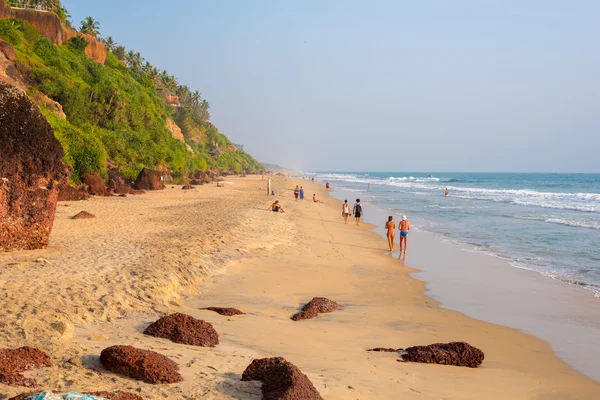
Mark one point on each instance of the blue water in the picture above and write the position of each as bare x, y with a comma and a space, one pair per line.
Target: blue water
549, 223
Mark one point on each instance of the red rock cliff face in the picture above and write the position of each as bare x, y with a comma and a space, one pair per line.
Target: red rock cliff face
49, 25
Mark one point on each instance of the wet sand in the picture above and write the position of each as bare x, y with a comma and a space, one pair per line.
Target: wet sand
113, 275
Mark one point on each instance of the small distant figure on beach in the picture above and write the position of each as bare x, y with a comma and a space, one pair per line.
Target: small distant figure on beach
296, 192
345, 211
301, 193
357, 210
276, 207
368, 187
447, 192
390, 225
315, 199
404, 228
313, 178
327, 186
272, 193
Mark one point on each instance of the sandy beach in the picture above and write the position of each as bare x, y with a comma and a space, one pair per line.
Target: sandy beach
142, 257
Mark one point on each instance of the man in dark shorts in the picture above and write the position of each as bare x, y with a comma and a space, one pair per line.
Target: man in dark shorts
276, 207
358, 211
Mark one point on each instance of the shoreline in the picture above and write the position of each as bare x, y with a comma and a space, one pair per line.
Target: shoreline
232, 252
491, 289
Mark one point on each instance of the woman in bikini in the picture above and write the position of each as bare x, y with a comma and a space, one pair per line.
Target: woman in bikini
391, 227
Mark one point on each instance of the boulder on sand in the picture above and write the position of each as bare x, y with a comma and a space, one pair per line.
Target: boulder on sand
95, 184
316, 306
117, 183
15, 361
143, 365
83, 215
149, 180
187, 186
184, 329
227, 311
455, 353
31, 171
281, 380
69, 193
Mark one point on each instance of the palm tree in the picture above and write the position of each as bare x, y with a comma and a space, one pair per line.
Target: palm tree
110, 44
90, 26
119, 52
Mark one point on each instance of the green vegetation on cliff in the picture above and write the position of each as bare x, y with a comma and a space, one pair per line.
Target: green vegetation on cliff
114, 111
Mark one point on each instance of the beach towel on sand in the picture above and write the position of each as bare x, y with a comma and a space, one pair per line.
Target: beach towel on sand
63, 396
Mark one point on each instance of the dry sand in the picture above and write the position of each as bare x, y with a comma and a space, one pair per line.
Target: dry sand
179, 251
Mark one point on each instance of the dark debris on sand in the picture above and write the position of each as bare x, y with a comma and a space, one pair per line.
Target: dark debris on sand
184, 329
316, 306
15, 361
83, 215
143, 365
455, 353
227, 311
281, 380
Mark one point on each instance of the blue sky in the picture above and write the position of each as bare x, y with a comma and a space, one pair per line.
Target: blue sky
429, 85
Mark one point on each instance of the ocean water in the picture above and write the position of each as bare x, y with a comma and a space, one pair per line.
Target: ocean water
549, 223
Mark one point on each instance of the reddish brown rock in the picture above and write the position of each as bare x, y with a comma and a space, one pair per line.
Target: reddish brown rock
455, 353
316, 306
31, 171
385, 349
227, 311
143, 365
117, 183
184, 329
281, 380
95, 184
137, 192
15, 361
69, 193
187, 186
8, 51
149, 180
83, 215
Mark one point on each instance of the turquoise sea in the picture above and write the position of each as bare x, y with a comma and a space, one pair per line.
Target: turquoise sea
549, 223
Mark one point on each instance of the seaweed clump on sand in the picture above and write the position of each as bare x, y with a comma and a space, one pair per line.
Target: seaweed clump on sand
315, 307
184, 329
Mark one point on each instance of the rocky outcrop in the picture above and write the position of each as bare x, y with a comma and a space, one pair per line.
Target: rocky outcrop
15, 361
143, 365
8, 51
95, 184
316, 306
187, 186
31, 171
117, 183
224, 311
184, 329
69, 193
149, 180
281, 380
50, 26
455, 353
175, 130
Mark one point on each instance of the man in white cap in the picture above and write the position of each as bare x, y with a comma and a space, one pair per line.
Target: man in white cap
404, 227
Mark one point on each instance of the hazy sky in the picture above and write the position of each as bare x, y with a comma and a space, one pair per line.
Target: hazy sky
427, 85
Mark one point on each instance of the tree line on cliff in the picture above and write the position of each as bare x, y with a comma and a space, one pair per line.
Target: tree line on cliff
117, 112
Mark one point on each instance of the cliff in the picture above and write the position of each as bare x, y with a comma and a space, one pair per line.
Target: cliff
50, 26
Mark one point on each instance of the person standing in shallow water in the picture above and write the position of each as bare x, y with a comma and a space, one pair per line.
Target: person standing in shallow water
390, 225
404, 228
345, 211
357, 210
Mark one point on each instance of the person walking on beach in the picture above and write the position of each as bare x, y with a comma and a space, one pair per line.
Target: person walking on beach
301, 193
404, 228
390, 225
296, 192
345, 211
357, 210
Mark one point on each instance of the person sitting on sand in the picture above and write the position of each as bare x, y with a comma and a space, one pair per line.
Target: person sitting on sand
315, 199
345, 211
391, 228
276, 207
404, 228
357, 210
